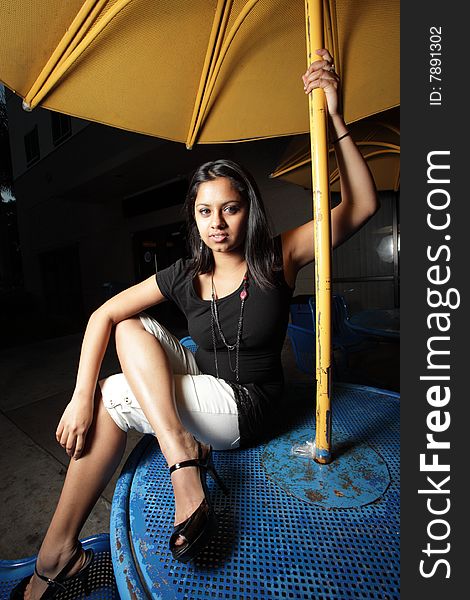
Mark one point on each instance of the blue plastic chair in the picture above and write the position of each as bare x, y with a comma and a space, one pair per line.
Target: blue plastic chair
301, 315
188, 342
101, 581
303, 345
343, 339
342, 336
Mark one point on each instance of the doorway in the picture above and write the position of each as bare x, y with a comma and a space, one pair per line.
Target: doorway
155, 249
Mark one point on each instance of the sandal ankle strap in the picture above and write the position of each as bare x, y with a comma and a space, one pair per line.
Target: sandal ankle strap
194, 462
49, 581
56, 582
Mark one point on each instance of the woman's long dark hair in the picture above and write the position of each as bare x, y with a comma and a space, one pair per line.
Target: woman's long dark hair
259, 250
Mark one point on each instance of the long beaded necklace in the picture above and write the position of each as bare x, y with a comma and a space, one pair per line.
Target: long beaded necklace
215, 324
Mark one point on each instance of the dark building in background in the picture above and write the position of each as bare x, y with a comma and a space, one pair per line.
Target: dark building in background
99, 209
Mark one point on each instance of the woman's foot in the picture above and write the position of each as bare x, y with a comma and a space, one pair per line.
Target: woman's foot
50, 564
186, 482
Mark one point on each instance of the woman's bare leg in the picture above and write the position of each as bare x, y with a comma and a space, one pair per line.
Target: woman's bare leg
85, 480
145, 364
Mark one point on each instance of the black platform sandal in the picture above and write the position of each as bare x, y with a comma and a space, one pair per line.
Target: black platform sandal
198, 528
61, 581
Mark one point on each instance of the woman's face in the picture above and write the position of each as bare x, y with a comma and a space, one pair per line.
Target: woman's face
221, 215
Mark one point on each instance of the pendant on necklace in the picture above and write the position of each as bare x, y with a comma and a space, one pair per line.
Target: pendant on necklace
244, 292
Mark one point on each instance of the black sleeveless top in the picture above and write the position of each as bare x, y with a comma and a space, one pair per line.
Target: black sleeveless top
265, 318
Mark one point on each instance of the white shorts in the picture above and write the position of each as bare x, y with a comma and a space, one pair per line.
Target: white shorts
205, 404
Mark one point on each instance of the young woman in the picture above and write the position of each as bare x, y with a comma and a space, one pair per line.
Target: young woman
235, 292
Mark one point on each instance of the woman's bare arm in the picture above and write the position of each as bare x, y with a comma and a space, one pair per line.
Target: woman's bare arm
122, 306
359, 199
78, 415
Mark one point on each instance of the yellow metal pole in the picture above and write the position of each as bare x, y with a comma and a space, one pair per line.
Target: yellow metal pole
321, 214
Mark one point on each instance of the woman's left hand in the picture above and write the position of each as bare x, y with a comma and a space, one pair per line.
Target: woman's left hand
321, 74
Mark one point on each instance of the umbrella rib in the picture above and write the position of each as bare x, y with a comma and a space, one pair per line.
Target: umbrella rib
389, 145
61, 69
91, 19
219, 25
61, 48
288, 168
397, 181
390, 127
385, 148
375, 154
215, 71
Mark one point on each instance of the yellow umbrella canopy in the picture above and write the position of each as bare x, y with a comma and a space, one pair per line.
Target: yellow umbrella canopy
377, 137
194, 70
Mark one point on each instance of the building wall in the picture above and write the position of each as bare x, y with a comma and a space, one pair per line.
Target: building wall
22, 122
70, 203
58, 207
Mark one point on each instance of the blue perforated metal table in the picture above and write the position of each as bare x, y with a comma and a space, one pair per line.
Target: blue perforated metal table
271, 543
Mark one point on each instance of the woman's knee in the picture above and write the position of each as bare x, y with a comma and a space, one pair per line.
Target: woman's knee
126, 328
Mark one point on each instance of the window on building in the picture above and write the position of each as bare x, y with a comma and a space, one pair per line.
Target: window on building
31, 146
61, 127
